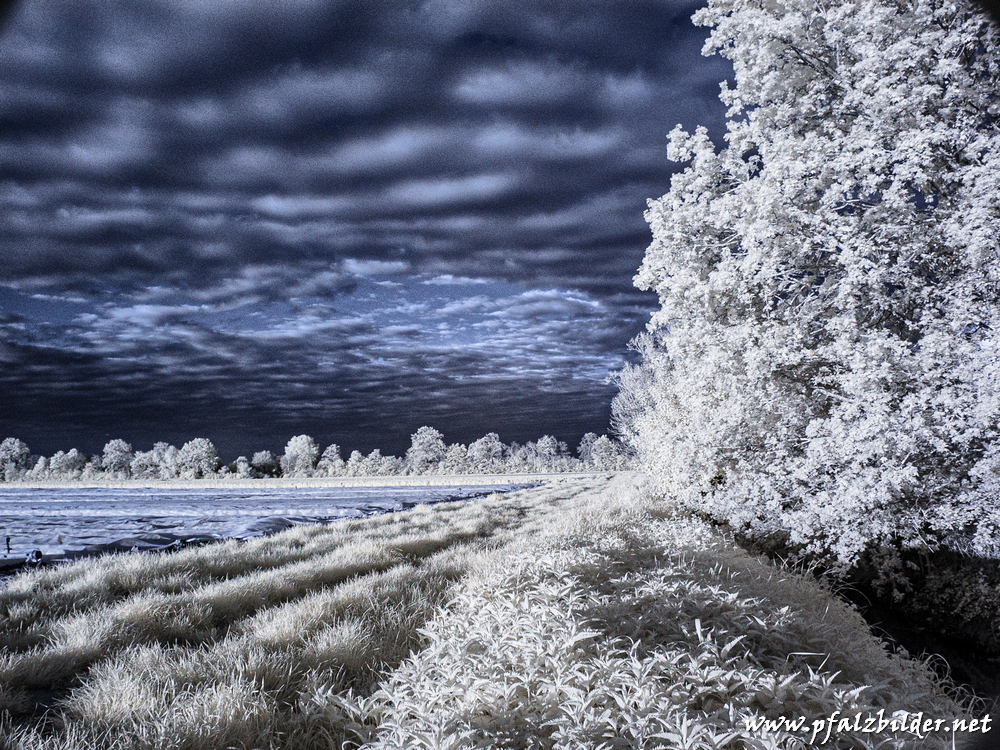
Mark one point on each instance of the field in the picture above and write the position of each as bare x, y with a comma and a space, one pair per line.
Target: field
584, 613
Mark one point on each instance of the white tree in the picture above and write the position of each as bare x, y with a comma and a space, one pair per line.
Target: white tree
485, 455
550, 454
355, 464
40, 470
265, 464
427, 450
67, 465
516, 458
301, 455
377, 465
330, 463
822, 365
168, 457
390, 466
116, 459
369, 465
455, 460
586, 448
144, 465
197, 458
159, 463
92, 469
605, 455
14, 459
241, 468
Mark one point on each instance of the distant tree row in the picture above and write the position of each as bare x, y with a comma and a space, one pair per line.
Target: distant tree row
428, 454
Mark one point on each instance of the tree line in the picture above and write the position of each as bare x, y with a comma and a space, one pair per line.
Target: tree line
428, 454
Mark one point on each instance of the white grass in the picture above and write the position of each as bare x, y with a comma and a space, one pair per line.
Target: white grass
581, 614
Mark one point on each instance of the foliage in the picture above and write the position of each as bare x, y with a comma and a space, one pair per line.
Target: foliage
372, 465
427, 455
485, 456
116, 459
377, 465
330, 463
542, 456
265, 464
14, 458
197, 458
586, 448
241, 468
301, 455
605, 455
354, 462
427, 450
456, 460
822, 368
67, 465
159, 463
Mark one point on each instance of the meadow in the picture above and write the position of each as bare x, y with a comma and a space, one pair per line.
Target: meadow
587, 612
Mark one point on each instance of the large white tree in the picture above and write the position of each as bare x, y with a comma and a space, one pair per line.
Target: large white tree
823, 368
15, 457
330, 463
116, 459
67, 465
301, 455
485, 456
197, 458
427, 450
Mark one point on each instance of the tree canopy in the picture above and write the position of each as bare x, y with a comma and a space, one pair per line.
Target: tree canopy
822, 366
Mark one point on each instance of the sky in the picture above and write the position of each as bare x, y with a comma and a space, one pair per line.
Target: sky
250, 220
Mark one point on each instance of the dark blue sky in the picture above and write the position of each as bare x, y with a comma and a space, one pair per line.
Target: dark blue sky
247, 220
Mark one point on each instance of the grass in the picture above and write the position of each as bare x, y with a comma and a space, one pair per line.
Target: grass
581, 614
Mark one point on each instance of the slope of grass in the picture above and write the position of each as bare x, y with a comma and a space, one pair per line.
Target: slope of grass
580, 614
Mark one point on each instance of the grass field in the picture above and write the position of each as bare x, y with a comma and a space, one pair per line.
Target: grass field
584, 613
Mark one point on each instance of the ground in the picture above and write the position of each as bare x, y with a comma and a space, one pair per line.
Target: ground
584, 613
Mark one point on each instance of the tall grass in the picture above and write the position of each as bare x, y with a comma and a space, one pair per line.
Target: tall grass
581, 614
131, 650
632, 631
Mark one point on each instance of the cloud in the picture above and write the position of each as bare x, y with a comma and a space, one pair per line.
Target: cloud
298, 206
398, 148
296, 93
522, 83
374, 267
449, 280
450, 190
